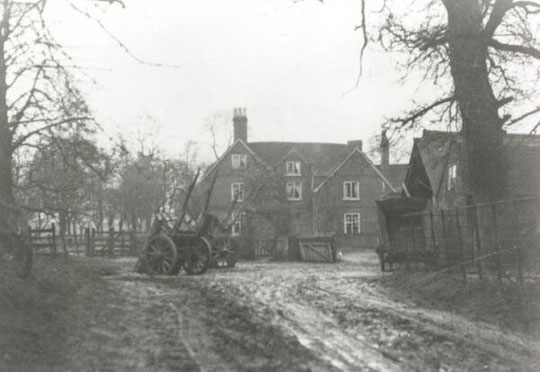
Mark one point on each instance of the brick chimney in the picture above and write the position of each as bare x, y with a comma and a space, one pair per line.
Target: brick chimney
385, 154
240, 124
356, 144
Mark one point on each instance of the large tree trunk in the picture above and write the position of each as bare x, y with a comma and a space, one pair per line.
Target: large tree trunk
482, 125
7, 200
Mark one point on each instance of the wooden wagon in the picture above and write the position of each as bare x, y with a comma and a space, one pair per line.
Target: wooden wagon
175, 246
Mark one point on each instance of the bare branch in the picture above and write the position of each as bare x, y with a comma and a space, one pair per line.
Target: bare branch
520, 49
414, 115
25, 137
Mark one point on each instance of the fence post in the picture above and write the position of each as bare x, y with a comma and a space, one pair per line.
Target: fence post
517, 241
478, 240
497, 241
76, 241
433, 241
132, 242
461, 250
87, 241
446, 251
411, 226
53, 239
92, 242
110, 242
122, 236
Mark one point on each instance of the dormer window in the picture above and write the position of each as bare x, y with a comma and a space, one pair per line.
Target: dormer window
293, 168
351, 190
452, 177
239, 161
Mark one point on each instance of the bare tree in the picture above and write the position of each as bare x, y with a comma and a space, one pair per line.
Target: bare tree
38, 98
482, 47
220, 136
475, 52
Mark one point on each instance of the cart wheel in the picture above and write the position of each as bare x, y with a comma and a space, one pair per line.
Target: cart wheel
224, 253
197, 257
160, 255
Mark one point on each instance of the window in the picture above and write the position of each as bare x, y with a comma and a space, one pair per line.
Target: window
452, 177
351, 190
239, 161
294, 190
293, 168
237, 192
352, 223
238, 223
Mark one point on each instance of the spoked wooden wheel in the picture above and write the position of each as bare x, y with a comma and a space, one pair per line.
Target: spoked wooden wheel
224, 253
160, 255
197, 258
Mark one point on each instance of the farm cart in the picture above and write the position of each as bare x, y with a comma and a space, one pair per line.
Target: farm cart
193, 248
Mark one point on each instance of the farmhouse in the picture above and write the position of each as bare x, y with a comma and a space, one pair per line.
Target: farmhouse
324, 188
436, 169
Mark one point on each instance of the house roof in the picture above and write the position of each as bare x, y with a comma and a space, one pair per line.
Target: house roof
396, 174
338, 167
322, 157
433, 148
523, 159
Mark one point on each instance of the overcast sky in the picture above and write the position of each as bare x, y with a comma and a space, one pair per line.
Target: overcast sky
293, 66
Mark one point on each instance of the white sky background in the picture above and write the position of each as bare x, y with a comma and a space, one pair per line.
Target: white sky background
289, 64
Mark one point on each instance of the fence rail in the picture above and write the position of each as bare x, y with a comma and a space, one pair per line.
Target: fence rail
500, 239
90, 243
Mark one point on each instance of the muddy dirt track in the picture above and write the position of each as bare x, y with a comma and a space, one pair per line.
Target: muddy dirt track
257, 316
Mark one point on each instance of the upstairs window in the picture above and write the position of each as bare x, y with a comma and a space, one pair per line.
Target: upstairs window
237, 192
239, 161
352, 223
351, 190
294, 190
452, 177
293, 168
239, 221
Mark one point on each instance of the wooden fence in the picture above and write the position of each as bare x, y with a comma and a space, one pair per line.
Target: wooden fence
499, 240
264, 248
90, 243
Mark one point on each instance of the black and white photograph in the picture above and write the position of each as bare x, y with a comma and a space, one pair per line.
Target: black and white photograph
269, 185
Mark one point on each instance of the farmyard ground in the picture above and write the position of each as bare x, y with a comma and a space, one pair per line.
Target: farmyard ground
97, 315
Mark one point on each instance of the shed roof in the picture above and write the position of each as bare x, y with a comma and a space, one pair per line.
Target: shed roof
523, 159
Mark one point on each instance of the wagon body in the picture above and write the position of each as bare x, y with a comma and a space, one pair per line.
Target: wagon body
182, 245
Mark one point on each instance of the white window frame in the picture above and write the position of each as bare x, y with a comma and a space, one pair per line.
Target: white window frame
351, 197
351, 222
295, 168
290, 186
241, 190
451, 177
239, 161
239, 220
